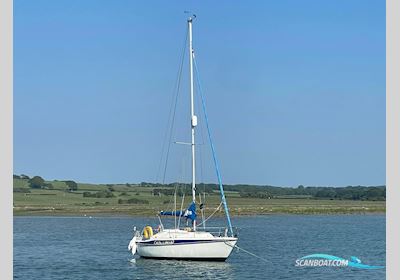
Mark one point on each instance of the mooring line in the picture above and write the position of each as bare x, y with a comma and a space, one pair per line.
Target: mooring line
248, 252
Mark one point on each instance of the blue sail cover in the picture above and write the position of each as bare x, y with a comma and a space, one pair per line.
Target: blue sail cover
189, 213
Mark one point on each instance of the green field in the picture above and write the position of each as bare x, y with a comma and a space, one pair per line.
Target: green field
58, 201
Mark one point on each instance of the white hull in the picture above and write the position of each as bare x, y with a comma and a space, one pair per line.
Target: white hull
216, 250
177, 244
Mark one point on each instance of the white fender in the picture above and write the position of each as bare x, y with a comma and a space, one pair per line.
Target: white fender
132, 245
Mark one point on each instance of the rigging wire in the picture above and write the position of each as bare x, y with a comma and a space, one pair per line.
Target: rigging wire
216, 210
213, 151
177, 185
170, 125
172, 113
183, 200
200, 158
202, 212
248, 252
201, 154
201, 149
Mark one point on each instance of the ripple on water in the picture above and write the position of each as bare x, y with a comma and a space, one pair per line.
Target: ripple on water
82, 248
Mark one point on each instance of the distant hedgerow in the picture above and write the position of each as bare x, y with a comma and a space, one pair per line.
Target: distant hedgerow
99, 194
133, 201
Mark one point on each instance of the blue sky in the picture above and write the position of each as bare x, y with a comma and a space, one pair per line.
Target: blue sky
295, 90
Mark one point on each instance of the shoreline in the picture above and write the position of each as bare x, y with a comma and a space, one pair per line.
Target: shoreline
327, 212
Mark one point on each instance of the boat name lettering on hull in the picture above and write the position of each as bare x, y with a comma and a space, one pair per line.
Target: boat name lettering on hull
167, 242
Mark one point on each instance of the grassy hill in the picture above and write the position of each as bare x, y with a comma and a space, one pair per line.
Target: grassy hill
144, 199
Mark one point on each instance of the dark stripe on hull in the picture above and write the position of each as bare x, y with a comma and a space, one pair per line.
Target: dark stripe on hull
188, 259
177, 242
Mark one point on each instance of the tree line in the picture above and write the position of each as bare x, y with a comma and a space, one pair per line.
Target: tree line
37, 182
244, 190
269, 192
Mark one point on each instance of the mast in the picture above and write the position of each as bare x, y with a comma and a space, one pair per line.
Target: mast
193, 116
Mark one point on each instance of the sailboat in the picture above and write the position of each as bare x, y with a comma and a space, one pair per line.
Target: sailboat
191, 242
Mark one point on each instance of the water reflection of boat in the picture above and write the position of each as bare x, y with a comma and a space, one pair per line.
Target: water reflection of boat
204, 269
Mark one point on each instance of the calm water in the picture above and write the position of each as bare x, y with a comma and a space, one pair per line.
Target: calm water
84, 248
